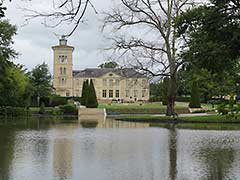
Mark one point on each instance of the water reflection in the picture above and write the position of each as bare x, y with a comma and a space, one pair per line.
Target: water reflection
63, 149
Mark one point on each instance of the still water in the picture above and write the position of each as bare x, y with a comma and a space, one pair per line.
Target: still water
43, 149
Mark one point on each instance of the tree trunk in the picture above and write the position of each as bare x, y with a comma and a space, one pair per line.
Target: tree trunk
172, 91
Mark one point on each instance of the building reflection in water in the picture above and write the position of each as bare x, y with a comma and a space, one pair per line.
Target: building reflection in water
63, 152
102, 122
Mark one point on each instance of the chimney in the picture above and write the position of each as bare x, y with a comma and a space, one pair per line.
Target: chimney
63, 41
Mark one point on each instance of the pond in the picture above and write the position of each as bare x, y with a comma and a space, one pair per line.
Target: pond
52, 149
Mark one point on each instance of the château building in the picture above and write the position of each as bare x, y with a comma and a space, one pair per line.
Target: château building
122, 85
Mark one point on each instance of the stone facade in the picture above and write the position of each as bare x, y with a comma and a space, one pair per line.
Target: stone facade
120, 85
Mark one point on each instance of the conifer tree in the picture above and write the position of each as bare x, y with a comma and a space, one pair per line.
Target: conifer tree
195, 96
84, 92
91, 100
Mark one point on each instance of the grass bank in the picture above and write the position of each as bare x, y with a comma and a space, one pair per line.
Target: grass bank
149, 108
193, 119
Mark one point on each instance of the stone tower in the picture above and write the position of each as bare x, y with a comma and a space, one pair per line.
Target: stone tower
62, 68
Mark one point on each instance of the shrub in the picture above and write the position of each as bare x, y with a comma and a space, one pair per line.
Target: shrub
42, 108
45, 100
57, 101
91, 100
155, 98
195, 96
85, 92
222, 109
183, 98
13, 111
69, 109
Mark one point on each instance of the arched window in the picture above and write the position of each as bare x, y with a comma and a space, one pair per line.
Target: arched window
64, 71
61, 71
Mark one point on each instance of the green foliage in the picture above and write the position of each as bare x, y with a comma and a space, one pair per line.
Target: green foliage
155, 92
222, 109
183, 98
231, 104
42, 108
57, 101
195, 96
213, 35
109, 64
69, 109
40, 79
165, 90
84, 92
13, 87
13, 111
91, 100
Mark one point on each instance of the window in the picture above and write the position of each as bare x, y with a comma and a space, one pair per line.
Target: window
67, 93
63, 59
127, 93
64, 71
111, 82
111, 93
143, 93
117, 94
128, 82
135, 93
104, 82
104, 93
77, 82
63, 81
110, 74
144, 82
117, 82
61, 71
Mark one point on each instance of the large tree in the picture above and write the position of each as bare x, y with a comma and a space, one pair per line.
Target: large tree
212, 36
41, 81
152, 45
211, 49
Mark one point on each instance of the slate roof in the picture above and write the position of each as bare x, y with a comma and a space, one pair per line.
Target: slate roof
97, 72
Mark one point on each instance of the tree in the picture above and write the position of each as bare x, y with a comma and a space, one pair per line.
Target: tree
212, 36
13, 87
165, 90
7, 31
195, 96
109, 64
85, 91
91, 101
154, 53
41, 81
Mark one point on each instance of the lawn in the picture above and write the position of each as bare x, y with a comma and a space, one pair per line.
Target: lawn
179, 105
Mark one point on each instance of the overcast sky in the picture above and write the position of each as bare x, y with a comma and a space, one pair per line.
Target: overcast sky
34, 41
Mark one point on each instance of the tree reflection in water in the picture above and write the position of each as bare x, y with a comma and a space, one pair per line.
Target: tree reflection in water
218, 162
172, 153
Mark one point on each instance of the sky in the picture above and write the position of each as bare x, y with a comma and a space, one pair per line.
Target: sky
34, 41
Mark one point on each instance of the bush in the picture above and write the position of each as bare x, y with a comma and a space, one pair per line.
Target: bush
42, 108
195, 96
45, 100
91, 100
222, 109
85, 91
183, 98
69, 109
13, 111
57, 101
155, 98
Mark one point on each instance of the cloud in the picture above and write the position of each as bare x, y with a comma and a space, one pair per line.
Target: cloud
34, 41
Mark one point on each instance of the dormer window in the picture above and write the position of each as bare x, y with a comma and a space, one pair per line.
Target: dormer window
63, 59
110, 74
